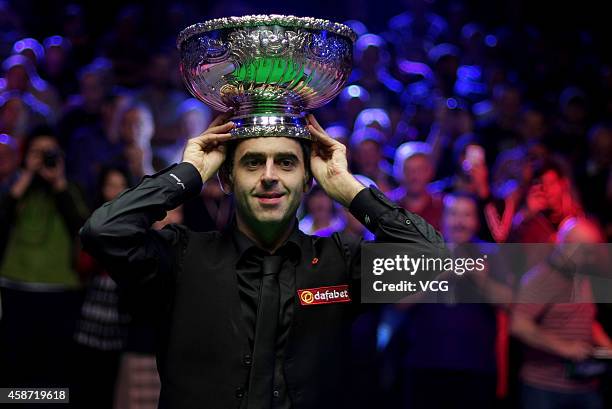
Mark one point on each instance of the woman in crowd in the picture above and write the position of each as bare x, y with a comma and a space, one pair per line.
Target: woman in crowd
102, 328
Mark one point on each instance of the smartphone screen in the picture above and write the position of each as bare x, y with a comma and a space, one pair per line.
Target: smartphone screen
475, 155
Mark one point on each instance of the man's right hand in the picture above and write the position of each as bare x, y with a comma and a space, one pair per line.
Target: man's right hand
576, 350
207, 151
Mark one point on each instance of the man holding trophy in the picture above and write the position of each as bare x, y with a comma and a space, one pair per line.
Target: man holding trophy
255, 316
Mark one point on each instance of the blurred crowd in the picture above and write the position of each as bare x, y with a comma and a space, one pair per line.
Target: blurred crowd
492, 134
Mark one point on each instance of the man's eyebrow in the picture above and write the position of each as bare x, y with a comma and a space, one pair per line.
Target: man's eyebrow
277, 155
286, 155
252, 156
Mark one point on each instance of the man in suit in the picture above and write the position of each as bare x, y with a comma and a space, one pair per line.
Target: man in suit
258, 315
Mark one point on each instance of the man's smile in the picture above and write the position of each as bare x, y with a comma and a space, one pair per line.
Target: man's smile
269, 198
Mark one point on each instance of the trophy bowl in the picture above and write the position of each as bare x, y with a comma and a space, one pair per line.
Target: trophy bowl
269, 70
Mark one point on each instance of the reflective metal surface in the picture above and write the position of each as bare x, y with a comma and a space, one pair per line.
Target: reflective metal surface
268, 70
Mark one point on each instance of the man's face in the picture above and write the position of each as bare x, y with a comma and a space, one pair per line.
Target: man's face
41, 145
268, 179
532, 125
137, 127
92, 89
160, 70
370, 58
553, 187
17, 78
368, 157
320, 206
36, 152
460, 219
601, 147
11, 114
418, 172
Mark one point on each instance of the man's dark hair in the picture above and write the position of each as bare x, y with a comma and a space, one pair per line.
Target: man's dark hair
547, 166
42, 131
460, 194
226, 168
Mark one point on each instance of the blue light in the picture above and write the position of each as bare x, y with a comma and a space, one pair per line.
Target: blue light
482, 108
491, 40
19, 46
383, 336
469, 72
451, 103
354, 91
8, 141
54, 41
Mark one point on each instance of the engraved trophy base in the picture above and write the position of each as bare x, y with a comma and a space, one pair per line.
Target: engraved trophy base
253, 126
269, 119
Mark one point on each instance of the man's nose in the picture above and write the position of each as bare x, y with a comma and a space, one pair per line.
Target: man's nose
270, 176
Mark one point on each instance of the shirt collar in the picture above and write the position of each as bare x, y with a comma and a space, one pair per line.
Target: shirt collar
244, 244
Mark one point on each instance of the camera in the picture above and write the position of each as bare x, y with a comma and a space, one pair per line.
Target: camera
51, 157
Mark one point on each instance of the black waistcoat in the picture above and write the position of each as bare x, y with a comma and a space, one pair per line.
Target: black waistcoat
201, 354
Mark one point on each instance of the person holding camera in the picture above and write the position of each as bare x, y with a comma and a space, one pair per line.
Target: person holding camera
40, 215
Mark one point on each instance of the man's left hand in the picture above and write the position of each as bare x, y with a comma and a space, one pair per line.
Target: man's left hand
329, 165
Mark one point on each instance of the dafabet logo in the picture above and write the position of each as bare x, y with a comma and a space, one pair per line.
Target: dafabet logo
324, 295
307, 297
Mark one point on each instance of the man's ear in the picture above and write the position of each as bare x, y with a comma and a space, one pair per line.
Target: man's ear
308, 183
226, 180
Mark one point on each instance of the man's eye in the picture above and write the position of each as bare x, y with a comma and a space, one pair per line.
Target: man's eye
252, 163
287, 163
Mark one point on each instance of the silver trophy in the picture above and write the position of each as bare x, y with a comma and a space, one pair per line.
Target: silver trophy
269, 70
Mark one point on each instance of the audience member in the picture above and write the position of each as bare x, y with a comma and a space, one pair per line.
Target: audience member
41, 214
458, 355
101, 330
549, 201
555, 318
414, 170
321, 213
